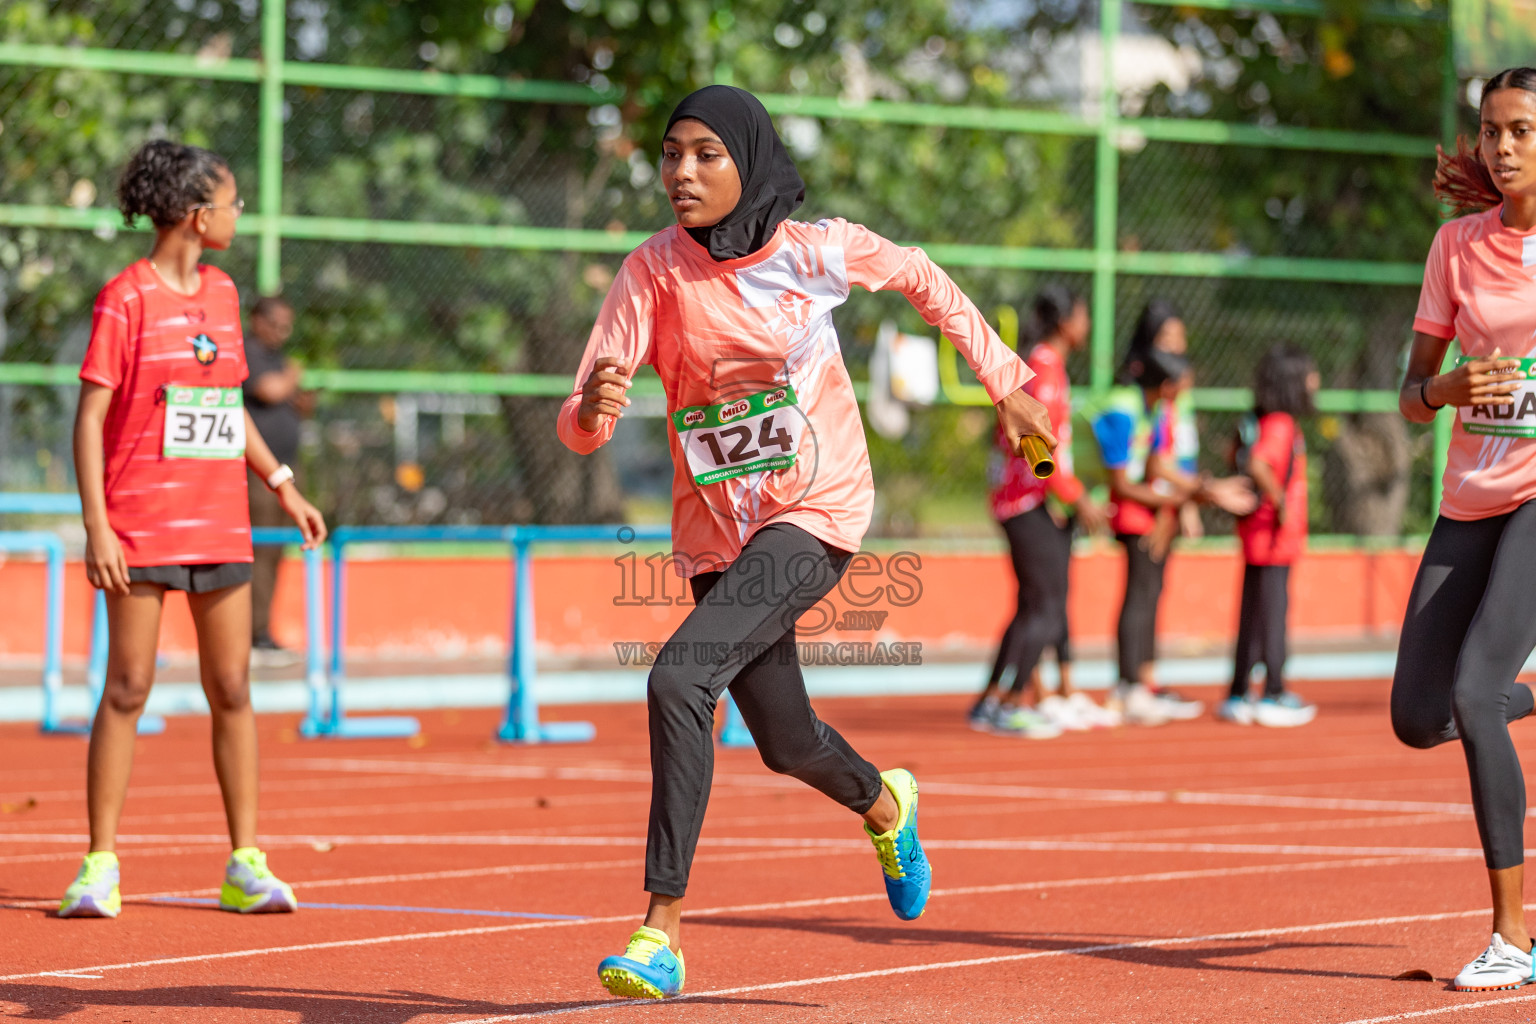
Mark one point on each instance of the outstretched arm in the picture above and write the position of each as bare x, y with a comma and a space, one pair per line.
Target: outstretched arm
942, 304
620, 341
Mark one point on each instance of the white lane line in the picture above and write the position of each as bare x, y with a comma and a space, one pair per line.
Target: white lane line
32, 858
782, 843
983, 961
1259, 827
826, 901
433, 876
1457, 1008
1133, 796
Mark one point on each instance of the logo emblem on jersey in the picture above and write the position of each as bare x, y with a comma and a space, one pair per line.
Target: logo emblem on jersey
795, 307
204, 349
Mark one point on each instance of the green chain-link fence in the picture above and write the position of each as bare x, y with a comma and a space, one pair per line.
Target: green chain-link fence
445, 221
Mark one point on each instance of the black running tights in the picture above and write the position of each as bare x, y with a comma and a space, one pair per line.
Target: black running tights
1136, 635
1469, 628
741, 635
1261, 628
1041, 553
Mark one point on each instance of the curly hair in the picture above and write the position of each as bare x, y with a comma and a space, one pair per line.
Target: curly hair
1462, 182
165, 179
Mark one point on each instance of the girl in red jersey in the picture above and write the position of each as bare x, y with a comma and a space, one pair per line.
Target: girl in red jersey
1272, 453
162, 443
1469, 626
1038, 517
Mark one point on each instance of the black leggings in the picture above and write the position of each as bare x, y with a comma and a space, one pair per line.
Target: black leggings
1136, 636
741, 635
1042, 559
1468, 631
1261, 628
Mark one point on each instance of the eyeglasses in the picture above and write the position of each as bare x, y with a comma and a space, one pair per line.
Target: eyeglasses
238, 206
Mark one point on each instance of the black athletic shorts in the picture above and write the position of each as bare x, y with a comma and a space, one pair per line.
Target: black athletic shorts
194, 579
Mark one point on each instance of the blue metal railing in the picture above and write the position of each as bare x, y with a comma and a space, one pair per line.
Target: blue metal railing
326, 715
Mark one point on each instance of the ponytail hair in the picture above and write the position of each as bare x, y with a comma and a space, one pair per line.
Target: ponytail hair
165, 179
1462, 182
1053, 307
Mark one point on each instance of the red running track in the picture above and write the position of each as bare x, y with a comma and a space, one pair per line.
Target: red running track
1195, 872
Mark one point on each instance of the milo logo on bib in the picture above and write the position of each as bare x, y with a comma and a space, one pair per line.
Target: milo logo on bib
1517, 420
747, 435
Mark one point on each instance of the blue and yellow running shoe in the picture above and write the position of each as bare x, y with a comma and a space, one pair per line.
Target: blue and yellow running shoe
250, 887
907, 876
647, 970
94, 892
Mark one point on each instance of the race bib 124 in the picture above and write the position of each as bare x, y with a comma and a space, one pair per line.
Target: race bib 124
204, 423
1517, 420
746, 435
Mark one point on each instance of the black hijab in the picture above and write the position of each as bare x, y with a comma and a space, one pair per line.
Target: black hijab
771, 188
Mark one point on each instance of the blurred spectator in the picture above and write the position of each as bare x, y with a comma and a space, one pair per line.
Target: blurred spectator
276, 405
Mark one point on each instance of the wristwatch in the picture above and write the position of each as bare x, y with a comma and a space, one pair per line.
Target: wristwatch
281, 475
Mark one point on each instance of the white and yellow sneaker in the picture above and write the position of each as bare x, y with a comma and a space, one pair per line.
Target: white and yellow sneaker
250, 887
94, 892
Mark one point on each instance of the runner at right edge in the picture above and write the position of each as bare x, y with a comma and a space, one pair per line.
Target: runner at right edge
1470, 623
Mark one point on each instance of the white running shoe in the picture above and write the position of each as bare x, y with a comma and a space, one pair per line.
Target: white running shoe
1016, 721
1179, 709
1141, 706
1061, 711
1499, 966
1237, 710
1284, 712
1095, 715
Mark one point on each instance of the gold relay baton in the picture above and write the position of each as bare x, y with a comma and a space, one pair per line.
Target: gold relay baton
1032, 450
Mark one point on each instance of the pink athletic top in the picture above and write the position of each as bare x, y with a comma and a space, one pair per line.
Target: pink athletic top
1480, 288
763, 424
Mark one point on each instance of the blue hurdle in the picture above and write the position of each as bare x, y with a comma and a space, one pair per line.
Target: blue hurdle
521, 723
15, 503
53, 603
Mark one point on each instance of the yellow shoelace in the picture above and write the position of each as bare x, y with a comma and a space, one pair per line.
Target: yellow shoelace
890, 856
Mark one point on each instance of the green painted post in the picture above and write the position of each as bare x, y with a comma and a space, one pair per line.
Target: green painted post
1106, 201
274, 32
1449, 87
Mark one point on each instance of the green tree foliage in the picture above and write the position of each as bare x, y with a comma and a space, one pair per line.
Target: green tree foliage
64, 134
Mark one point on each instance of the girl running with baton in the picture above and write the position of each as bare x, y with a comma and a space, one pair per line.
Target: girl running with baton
772, 489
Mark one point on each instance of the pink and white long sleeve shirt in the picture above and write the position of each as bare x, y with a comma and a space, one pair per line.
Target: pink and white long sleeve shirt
763, 425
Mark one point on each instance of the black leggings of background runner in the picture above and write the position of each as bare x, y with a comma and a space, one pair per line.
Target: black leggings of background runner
741, 635
1469, 628
1041, 553
1261, 628
1136, 636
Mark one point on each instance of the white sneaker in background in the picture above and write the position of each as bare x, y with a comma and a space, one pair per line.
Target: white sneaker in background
1058, 709
1283, 712
1179, 709
1095, 715
1141, 706
1237, 710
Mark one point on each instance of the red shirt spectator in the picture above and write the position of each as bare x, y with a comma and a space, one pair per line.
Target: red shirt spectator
1266, 539
1016, 489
